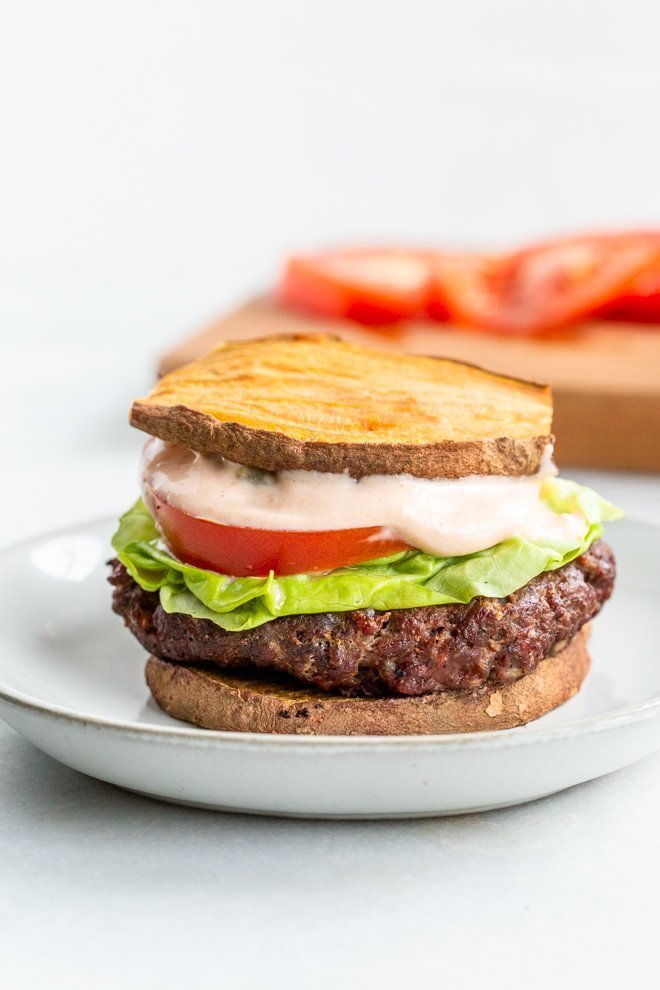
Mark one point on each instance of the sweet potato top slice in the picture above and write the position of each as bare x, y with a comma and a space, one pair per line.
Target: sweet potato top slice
321, 404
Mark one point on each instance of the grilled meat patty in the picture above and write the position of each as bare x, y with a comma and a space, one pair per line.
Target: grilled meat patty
402, 652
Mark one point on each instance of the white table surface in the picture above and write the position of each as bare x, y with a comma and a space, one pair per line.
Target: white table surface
99, 888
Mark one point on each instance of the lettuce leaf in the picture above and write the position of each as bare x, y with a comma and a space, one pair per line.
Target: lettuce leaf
404, 580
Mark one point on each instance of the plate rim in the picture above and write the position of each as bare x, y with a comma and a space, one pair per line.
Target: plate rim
197, 736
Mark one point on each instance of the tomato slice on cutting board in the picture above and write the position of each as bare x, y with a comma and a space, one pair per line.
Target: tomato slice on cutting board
637, 306
243, 552
640, 301
582, 275
468, 288
545, 286
371, 286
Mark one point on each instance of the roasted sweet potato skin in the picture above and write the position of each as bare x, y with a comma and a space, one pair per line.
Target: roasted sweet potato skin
319, 404
277, 452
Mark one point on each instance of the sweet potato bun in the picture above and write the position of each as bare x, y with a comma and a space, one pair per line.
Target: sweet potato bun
320, 404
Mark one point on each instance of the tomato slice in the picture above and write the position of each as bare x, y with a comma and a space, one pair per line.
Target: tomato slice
243, 552
579, 276
540, 288
469, 288
546, 286
377, 286
640, 303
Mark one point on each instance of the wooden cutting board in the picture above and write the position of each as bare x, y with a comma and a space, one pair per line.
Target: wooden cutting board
605, 376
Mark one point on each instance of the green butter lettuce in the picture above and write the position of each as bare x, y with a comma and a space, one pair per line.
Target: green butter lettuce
403, 580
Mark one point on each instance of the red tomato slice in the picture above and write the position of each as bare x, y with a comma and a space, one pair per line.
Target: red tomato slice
469, 288
436, 307
579, 276
378, 286
542, 287
640, 303
243, 552
545, 286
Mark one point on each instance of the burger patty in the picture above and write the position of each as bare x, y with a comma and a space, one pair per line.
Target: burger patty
405, 651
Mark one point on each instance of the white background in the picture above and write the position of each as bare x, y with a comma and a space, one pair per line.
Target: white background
157, 159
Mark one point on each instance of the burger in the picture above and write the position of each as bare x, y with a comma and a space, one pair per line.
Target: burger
334, 539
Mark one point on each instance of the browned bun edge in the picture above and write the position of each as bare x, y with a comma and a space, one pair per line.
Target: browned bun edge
313, 402
272, 451
227, 701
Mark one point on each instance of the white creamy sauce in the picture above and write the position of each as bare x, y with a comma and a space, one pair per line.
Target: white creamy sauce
443, 517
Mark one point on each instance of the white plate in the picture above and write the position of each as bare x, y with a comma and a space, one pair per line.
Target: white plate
71, 681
